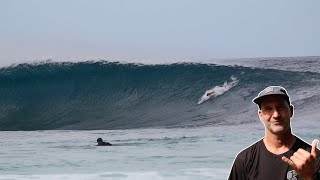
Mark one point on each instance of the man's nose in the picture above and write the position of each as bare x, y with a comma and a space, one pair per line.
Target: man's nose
276, 113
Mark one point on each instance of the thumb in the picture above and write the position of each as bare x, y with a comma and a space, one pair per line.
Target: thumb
314, 148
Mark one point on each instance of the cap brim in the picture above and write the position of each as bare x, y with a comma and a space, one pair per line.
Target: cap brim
257, 100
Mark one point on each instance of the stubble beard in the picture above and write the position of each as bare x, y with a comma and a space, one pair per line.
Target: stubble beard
279, 128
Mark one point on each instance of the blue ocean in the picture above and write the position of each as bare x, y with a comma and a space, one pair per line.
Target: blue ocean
158, 117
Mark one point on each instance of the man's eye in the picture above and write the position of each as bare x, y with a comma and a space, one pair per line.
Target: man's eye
268, 109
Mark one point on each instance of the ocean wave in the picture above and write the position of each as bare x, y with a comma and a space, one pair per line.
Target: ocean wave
113, 95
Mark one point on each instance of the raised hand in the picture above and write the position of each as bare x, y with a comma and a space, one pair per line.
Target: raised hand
304, 162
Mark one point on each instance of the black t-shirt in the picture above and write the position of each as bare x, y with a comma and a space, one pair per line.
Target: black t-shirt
257, 163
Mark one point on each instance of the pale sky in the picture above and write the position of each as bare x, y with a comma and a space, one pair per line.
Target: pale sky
194, 29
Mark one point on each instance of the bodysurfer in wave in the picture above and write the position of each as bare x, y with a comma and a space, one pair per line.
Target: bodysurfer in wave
211, 94
218, 90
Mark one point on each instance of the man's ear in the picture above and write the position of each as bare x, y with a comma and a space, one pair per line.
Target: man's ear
291, 109
260, 115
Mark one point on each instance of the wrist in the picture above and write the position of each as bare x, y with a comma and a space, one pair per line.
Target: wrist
316, 176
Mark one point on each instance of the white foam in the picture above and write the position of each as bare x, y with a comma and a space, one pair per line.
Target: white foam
148, 60
185, 174
218, 90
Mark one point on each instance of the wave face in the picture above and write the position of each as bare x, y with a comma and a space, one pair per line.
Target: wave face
111, 95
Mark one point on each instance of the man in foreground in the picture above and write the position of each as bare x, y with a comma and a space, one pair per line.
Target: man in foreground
280, 155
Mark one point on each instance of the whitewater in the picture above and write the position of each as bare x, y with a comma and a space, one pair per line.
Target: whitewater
52, 113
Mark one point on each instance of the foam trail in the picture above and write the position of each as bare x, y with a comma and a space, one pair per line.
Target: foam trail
218, 90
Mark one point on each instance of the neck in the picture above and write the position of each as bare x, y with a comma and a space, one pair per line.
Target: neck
279, 144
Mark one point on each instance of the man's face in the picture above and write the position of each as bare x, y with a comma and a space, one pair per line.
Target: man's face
275, 113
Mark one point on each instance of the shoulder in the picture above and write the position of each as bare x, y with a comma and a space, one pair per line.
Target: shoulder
306, 146
250, 150
107, 144
244, 161
247, 155
302, 144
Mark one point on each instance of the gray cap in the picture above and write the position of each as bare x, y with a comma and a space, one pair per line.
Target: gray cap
272, 90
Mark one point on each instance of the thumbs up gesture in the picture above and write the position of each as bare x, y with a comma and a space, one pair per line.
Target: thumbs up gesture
304, 162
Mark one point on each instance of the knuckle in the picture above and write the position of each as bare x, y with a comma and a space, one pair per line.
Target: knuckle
291, 158
309, 156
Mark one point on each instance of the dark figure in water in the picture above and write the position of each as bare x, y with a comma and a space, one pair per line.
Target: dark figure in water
211, 93
102, 143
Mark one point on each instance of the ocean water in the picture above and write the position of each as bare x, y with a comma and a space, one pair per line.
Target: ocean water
52, 113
